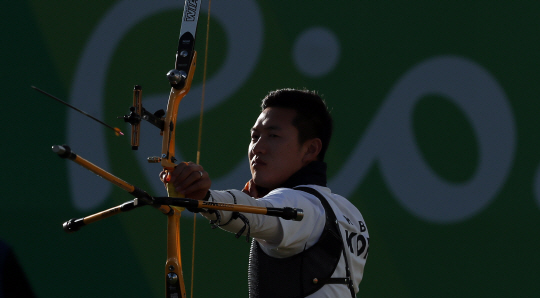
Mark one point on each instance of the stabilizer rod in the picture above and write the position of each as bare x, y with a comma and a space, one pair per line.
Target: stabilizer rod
161, 203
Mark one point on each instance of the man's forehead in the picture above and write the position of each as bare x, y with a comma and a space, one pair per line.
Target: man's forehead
274, 118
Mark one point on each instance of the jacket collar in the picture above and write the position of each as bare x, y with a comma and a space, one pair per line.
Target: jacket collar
313, 173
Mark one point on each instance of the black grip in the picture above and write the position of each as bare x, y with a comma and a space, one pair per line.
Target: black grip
64, 151
287, 213
73, 225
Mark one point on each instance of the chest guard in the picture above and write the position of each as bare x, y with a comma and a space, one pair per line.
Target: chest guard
302, 274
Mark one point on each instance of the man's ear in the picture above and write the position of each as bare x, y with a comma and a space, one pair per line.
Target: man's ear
314, 147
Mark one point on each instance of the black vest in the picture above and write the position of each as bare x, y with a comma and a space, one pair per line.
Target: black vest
302, 274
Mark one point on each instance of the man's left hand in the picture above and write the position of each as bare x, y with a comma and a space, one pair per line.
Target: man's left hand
189, 179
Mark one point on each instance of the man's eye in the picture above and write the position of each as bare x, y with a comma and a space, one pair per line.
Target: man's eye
254, 138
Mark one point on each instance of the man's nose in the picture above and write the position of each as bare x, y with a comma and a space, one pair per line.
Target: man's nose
258, 147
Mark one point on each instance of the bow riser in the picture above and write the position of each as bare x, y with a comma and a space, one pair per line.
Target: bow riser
168, 144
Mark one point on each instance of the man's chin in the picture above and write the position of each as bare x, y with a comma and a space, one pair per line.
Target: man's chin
261, 182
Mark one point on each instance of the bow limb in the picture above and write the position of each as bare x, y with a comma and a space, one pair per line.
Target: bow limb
174, 277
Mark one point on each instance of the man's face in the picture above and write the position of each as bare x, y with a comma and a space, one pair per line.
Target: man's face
274, 152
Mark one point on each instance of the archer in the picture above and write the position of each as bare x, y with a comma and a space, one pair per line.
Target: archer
312, 258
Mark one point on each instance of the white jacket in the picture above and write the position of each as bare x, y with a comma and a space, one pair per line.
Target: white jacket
281, 238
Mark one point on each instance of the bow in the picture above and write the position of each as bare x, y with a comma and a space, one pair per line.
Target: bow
180, 79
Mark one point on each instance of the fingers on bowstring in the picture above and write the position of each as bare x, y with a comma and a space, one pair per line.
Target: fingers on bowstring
179, 173
199, 183
190, 176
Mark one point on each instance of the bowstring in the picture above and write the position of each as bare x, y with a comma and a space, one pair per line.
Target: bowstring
199, 140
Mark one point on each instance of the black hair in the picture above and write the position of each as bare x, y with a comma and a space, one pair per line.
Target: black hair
312, 119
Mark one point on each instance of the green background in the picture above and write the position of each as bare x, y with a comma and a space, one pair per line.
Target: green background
492, 253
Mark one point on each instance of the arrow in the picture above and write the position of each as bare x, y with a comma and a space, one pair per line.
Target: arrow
115, 129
